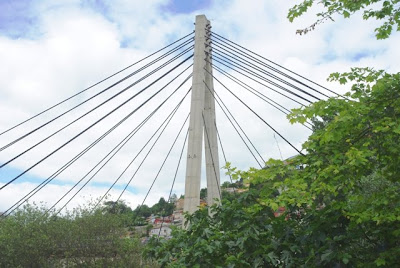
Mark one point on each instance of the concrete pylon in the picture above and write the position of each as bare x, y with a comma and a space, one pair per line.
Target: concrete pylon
202, 111
210, 137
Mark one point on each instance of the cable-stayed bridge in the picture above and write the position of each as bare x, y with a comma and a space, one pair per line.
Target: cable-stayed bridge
168, 99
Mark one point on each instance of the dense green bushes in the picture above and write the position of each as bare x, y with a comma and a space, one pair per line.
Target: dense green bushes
341, 209
81, 238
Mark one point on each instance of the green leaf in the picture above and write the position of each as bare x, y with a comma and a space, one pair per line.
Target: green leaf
380, 262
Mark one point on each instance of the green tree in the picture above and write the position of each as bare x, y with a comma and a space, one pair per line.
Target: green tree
163, 208
341, 209
350, 178
116, 207
226, 184
142, 211
84, 237
233, 237
24, 238
387, 11
120, 209
203, 193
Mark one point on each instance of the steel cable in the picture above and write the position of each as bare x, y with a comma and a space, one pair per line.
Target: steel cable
280, 93
95, 84
231, 49
97, 94
123, 142
288, 142
59, 171
249, 64
80, 117
237, 123
212, 158
173, 181
239, 66
166, 122
261, 96
98, 202
151, 186
237, 131
215, 34
2, 187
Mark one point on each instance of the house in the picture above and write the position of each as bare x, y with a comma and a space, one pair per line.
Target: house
161, 230
179, 204
162, 220
288, 160
151, 218
178, 217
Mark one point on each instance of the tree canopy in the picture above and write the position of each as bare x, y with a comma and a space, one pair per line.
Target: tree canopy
387, 11
84, 237
341, 208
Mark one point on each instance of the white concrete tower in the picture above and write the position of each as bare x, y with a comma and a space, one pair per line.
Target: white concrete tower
210, 133
202, 111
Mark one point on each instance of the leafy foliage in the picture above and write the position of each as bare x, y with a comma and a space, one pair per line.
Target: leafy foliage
161, 208
338, 205
386, 10
351, 170
81, 238
233, 237
118, 207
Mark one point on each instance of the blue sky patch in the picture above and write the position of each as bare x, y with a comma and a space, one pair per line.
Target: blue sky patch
8, 173
17, 19
125, 42
330, 56
358, 56
185, 6
21, 18
97, 5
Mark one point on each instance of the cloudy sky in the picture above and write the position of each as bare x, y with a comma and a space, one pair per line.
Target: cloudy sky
50, 50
